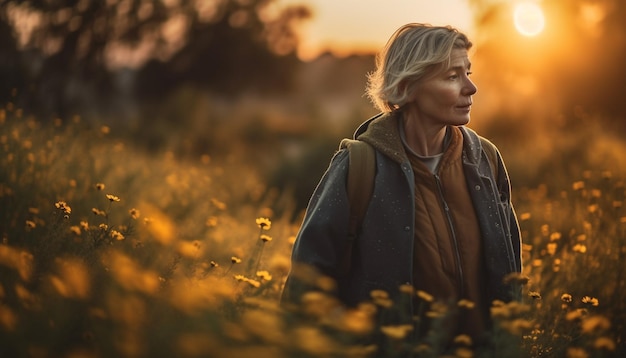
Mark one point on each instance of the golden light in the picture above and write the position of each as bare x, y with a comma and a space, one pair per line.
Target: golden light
528, 18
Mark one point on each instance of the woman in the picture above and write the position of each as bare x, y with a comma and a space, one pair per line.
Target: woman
440, 217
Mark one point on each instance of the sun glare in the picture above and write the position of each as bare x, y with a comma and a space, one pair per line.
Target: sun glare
528, 18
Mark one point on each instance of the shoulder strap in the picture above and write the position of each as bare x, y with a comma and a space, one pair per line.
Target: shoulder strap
360, 181
492, 155
360, 184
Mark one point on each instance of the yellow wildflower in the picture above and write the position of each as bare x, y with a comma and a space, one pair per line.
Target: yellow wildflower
424, 296
211, 221
566, 297
265, 238
235, 260
604, 343
466, 304
524, 216
595, 323
98, 212
117, 235
535, 295
552, 248
112, 198
134, 213
396, 332
579, 185
264, 223
84, 225
264, 275
30, 224
590, 300
463, 339
75, 229
103, 227
580, 248
61, 205
214, 264
99, 186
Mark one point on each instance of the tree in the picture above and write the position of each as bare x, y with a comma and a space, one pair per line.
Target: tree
69, 52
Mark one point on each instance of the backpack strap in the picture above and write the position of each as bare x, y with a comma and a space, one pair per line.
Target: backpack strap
360, 181
360, 185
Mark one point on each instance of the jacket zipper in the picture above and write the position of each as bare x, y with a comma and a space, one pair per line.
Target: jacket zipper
455, 243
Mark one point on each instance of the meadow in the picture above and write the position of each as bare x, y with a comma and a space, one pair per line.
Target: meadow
109, 250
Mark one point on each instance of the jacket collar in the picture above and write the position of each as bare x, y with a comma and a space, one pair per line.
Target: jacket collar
381, 131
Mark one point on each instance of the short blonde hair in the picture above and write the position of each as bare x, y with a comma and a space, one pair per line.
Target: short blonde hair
411, 52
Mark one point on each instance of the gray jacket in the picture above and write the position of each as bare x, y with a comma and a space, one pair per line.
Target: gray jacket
382, 257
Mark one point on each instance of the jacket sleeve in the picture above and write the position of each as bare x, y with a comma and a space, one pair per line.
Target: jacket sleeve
504, 188
323, 236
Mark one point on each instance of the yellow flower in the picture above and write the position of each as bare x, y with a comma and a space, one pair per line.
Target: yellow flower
103, 227
218, 204
595, 323
134, 213
100, 186
535, 295
30, 224
214, 264
424, 296
264, 275
579, 185
396, 332
84, 225
466, 304
235, 260
580, 248
566, 297
112, 198
525, 216
265, 238
211, 221
604, 343
75, 229
98, 212
117, 235
463, 339
552, 248
264, 223
590, 300
61, 205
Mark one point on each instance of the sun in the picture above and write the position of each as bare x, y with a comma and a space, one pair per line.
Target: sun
528, 18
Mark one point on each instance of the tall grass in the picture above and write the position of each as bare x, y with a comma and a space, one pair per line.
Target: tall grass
111, 251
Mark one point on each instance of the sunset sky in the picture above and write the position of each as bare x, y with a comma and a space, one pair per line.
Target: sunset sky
346, 26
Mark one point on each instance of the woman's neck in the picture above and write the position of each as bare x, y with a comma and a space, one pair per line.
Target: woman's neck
424, 140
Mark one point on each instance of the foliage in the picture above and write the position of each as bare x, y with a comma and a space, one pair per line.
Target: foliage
67, 56
109, 251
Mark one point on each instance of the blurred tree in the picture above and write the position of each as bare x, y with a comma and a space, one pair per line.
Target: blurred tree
240, 45
67, 54
577, 62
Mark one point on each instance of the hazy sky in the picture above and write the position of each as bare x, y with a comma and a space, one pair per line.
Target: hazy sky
346, 26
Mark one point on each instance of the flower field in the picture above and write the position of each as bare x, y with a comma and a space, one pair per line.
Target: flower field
110, 251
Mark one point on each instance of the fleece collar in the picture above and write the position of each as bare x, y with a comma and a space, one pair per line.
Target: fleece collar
381, 131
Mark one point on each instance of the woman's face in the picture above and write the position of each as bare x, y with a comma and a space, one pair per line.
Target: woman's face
444, 97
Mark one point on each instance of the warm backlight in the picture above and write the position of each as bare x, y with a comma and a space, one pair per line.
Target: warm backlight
529, 19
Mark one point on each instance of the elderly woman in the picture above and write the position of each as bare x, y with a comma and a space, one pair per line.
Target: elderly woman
440, 218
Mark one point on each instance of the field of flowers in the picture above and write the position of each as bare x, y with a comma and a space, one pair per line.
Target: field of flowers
109, 251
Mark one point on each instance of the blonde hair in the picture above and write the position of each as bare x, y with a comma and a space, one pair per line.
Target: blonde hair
411, 52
